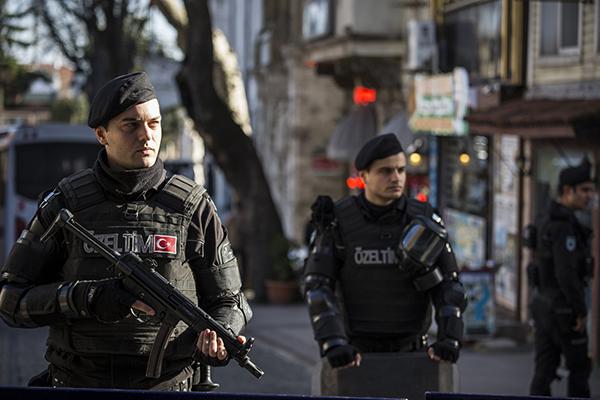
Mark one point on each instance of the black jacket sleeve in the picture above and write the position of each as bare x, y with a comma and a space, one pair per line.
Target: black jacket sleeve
215, 268
31, 276
449, 298
320, 277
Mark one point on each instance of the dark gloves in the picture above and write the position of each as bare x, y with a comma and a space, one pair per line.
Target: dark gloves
340, 356
447, 349
105, 299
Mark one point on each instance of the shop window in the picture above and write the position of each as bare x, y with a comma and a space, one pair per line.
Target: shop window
467, 168
473, 39
465, 199
560, 28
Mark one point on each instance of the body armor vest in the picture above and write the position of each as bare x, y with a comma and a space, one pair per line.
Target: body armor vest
155, 229
547, 231
378, 298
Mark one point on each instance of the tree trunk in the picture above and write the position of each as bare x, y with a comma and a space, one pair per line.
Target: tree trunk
232, 149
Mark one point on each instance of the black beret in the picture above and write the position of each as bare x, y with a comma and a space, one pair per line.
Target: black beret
573, 176
118, 95
381, 146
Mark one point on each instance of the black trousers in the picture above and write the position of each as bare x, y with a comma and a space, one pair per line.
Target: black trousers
550, 343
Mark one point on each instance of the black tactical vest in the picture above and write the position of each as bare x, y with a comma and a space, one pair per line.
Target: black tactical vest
377, 297
547, 230
155, 228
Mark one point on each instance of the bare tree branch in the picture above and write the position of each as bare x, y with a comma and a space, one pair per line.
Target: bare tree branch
176, 16
57, 38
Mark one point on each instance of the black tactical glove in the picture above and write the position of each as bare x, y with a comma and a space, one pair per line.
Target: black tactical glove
105, 299
447, 349
340, 356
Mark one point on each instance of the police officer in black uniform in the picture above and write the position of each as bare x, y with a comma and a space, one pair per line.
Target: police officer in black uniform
130, 204
563, 266
389, 258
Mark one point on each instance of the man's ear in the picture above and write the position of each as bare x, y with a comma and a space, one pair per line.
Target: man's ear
101, 135
363, 174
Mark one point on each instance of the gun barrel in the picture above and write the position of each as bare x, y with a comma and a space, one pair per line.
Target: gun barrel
251, 367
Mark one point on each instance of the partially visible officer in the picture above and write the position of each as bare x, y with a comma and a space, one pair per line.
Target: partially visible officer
563, 265
389, 257
129, 204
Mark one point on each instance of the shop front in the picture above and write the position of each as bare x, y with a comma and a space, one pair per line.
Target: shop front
536, 139
459, 175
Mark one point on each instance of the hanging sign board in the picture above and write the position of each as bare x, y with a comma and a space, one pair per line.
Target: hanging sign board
441, 103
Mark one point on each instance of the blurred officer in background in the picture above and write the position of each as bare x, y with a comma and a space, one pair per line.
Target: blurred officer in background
562, 269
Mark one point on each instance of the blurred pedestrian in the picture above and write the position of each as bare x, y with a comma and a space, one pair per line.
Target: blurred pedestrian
562, 269
391, 260
129, 204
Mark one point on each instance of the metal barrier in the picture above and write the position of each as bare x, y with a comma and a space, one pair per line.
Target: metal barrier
35, 393
475, 396
393, 375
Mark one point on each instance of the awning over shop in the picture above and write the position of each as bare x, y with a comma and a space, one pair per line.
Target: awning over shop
399, 125
352, 132
540, 118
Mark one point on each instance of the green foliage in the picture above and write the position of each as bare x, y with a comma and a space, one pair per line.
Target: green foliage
282, 269
73, 111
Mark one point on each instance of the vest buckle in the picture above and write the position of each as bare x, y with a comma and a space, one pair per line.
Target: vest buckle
131, 213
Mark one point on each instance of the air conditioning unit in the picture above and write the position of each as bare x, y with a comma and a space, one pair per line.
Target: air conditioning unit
422, 46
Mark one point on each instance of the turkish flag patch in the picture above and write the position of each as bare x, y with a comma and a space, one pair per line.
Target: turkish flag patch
165, 244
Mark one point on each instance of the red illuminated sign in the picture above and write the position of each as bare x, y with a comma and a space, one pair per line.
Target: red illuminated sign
364, 95
355, 182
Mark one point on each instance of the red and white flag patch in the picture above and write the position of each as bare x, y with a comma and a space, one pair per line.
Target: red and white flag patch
165, 244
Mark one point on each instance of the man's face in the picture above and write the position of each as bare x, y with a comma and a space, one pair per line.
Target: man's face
132, 138
580, 195
385, 179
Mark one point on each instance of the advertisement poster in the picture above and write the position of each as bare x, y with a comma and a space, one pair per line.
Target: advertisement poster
480, 316
506, 224
467, 234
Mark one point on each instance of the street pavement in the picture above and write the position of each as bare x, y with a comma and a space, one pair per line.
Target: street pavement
286, 351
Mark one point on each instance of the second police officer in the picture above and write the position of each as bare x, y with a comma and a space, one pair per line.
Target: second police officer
390, 259
560, 274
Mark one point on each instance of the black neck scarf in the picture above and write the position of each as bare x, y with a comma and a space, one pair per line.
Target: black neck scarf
377, 213
129, 184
